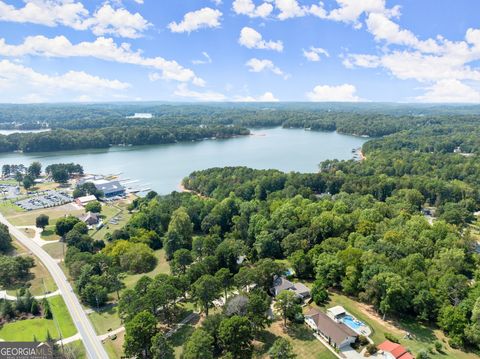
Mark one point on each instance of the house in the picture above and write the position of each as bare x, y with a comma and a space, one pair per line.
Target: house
281, 283
390, 350
90, 219
82, 201
336, 313
338, 335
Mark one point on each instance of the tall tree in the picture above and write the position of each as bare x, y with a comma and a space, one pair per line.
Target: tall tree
199, 346
161, 348
236, 336
138, 335
205, 290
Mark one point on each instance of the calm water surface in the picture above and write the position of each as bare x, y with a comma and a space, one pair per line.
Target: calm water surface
162, 167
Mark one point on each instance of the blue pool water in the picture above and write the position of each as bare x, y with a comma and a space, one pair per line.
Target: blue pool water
352, 323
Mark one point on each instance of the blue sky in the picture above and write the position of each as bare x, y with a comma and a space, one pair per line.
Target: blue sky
239, 50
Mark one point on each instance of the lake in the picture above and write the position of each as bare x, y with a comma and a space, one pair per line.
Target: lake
162, 167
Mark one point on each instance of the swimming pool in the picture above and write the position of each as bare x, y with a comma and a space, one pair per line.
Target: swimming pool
352, 323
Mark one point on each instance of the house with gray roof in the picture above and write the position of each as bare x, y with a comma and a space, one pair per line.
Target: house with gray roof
338, 335
281, 283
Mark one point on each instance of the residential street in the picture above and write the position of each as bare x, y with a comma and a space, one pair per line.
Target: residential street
92, 343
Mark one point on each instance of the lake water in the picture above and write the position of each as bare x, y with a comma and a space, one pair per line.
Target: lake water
162, 167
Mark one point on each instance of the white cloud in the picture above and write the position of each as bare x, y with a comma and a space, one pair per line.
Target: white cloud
118, 22
247, 7
206, 60
211, 96
195, 20
71, 13
257, 65
450, 91
252, 39
139, 1
266, 97
102, 48
351, 10
340, 93
21, 82
313, 54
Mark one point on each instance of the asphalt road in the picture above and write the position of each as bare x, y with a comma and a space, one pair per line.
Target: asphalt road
92, 343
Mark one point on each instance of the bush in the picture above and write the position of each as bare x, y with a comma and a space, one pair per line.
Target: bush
423, 354
362, 340
94, 207
371, 349
392, 338
438, 346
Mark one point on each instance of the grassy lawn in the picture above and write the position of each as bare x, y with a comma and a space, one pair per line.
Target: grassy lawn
114, 348
25, 330
24, 218
423, 336
41, 278
8, 208
75, 350
48, 234
162, 267
305, 345
60, 312
105, 319
56, 250
30, 233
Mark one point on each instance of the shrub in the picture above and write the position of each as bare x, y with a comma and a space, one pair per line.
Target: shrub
423, 354
392, 338
362, 340
438, 346
371, 349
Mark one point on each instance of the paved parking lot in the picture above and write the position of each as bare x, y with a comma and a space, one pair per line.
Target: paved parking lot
8, 191
45, 200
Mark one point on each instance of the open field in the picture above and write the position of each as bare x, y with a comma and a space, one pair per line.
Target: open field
162, 267
423, 336
105, 319
24, 218
25, 330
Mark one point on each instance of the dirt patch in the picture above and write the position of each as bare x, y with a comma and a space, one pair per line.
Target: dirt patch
369, 311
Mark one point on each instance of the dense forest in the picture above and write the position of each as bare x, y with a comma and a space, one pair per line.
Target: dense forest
60, 140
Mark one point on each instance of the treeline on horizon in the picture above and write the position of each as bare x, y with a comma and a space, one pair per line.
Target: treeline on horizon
99, 126
60, 139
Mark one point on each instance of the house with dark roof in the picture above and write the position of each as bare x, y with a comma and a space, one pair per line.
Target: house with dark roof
281, 283
90, 219
390, 350
338, 335
110, 188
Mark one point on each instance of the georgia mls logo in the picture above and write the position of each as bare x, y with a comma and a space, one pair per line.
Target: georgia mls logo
25, 350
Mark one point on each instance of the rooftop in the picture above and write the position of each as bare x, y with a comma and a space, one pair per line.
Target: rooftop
398, 351
336, 311
337, 332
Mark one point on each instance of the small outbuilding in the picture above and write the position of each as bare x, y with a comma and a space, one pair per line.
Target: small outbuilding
390, 350
82, 201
